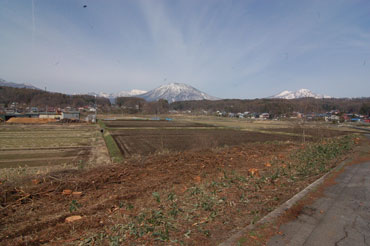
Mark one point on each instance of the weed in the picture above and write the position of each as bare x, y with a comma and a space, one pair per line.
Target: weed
157, 197
315, 158
129, 206
74, 206
81, 164
171, 196
187, 234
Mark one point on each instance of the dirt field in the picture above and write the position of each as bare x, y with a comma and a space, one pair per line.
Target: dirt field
213, 182
145, 137
47, 145
189, 198
150, 141
152, 123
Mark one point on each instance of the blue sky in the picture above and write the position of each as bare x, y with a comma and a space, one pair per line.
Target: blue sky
229, 49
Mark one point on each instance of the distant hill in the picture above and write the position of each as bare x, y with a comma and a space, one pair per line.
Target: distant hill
301, 93
40, 98
275, 106
17, 85
174, 92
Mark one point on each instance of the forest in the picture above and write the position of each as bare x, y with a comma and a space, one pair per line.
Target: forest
40, 98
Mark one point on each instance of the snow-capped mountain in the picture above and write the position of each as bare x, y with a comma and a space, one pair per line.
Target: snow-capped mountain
301, 93
17, 85
131, 93
176, 92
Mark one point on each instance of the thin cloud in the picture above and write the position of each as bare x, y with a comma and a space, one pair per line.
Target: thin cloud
241, 49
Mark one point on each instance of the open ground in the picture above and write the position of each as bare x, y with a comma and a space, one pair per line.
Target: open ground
179, 182
48, 146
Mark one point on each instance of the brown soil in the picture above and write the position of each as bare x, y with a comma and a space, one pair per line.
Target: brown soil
146, 141
35, 212
152, 123
30, 120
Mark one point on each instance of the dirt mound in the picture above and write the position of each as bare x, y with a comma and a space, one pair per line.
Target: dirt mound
30, 120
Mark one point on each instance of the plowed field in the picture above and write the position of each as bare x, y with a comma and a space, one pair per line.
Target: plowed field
149, 141
152, 123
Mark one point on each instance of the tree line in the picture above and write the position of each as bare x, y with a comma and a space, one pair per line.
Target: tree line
40, 98
132, 105
278, 106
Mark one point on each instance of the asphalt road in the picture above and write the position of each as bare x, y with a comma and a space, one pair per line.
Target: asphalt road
340, 217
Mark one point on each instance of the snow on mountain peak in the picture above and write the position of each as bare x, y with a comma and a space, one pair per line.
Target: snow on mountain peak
131, 93
301, 93
176, 92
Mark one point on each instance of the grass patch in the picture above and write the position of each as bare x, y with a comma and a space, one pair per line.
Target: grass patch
318, 157
114, 151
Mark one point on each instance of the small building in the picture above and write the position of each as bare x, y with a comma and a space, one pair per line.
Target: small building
71, 115
264, 116
91, 118
34, 109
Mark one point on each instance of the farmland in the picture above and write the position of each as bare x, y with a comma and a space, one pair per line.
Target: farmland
46, 145
145, 137
180, 182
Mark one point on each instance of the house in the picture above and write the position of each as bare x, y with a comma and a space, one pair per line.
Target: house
219, 113
264, 116
71, 115
91, 118
297, 115
334, 117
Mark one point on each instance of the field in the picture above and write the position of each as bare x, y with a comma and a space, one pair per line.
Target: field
143, 137
180, 182
46, 145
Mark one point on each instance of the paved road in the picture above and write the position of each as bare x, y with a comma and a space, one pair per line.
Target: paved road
340, 217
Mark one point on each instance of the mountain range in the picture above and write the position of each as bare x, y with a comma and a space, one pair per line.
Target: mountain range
301, 93
174, 92
17, 85
171, 92
131, 93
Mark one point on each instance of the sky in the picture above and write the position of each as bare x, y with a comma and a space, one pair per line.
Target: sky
228, 49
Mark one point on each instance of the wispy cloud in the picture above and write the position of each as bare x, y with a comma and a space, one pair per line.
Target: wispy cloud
228, 48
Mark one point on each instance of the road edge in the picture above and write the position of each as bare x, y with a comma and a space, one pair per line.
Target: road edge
285, 206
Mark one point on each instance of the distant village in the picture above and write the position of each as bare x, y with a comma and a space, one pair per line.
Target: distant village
67, 114
333, 116
88, 114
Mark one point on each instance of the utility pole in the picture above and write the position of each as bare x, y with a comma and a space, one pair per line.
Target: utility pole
96, 109
46, 108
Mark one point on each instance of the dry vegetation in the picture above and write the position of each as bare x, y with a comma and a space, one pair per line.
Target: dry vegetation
47, 147
194, 194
